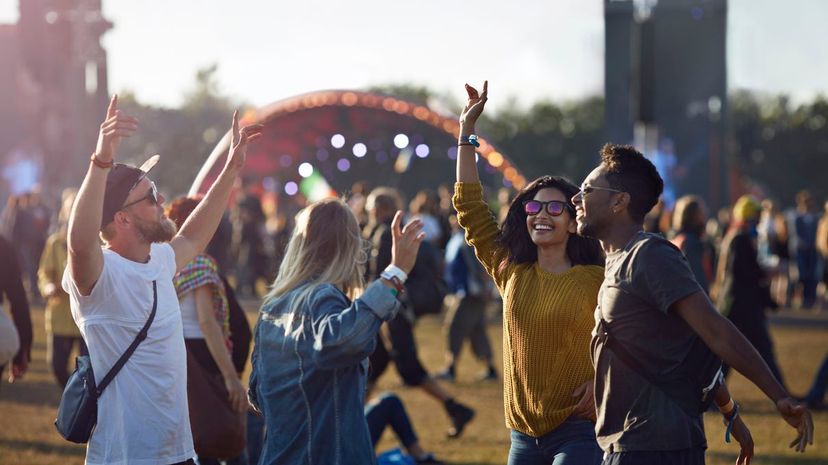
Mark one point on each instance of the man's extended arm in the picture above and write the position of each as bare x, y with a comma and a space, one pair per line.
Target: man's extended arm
196, 232
85, 256
734, 349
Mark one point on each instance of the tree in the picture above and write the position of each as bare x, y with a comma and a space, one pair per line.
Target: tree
184, 137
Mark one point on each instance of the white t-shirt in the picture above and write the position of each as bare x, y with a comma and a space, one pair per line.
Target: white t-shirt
143, 417
189, 317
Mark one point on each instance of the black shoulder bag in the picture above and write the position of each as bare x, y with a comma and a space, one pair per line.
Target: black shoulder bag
78, 411
693, 390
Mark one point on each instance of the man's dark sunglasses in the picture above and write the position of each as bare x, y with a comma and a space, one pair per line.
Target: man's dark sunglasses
553, 207
152, 196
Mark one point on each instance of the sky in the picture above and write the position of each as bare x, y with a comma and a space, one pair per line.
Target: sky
529, 50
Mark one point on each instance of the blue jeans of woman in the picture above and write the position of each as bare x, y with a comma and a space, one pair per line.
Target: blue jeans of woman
571, 443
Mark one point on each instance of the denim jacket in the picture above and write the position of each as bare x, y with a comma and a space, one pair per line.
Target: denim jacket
309, 375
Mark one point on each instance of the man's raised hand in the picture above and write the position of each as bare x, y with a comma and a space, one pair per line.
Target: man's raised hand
239, 140
115, 127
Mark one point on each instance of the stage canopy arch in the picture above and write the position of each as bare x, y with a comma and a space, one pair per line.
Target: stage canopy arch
321, 143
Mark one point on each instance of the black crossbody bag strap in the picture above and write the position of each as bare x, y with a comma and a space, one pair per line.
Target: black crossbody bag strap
138, 338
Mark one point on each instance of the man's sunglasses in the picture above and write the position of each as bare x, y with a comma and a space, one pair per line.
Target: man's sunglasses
152, 196
553, 207
589, 189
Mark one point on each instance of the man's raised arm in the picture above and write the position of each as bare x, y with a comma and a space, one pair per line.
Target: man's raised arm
196, 232
85, 256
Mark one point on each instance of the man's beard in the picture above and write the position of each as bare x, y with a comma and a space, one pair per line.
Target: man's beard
154, 232
587, 230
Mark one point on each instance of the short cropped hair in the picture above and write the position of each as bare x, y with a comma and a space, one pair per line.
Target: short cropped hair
629, 171
385, 198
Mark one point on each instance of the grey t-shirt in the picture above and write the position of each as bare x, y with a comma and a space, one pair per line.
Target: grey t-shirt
641, 282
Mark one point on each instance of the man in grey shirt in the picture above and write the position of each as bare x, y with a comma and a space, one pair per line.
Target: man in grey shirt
656, 310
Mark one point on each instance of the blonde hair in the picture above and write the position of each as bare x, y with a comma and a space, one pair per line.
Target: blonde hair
325, 248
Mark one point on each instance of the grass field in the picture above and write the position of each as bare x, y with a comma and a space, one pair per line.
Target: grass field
27, 408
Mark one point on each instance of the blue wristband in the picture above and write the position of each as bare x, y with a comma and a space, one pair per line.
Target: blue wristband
471, 139
729, 422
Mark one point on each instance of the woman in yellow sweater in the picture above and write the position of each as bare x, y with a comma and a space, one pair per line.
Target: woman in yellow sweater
548, 277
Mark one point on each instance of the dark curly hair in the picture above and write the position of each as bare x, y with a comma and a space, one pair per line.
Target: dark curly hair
629, 171
515, 238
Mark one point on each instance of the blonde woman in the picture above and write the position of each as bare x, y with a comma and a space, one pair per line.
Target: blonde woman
316, 329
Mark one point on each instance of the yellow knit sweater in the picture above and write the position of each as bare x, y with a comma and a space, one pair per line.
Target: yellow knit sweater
547, 322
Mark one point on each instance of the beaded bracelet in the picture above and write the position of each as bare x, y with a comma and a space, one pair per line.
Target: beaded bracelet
101, 164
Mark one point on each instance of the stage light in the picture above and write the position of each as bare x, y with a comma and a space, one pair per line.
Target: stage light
495, 159
510, 173
360, 150
349, 99
321, 154
291, 188
305, 169
422, 150
401, 141
285, 161
338, 141
343, 165
452, 153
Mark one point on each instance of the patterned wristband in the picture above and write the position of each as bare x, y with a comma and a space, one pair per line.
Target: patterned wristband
101, 164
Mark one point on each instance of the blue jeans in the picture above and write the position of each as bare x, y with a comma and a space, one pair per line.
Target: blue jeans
255, 436
240, 460
817, 392
387, 410
571, 443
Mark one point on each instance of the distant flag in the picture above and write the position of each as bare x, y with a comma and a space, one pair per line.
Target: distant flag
316, 188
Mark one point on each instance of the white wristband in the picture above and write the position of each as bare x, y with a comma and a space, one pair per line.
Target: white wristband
396, 272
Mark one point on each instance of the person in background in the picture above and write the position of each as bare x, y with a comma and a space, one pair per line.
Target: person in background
466, 317
774, 255
388, 410
205, 321
62, 334
822, 247
689, 220
400, 346
815, 398
805, 227
41, 219
743, 288
15, 334
249, 242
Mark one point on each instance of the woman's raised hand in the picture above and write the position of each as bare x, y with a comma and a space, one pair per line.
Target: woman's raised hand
474, 106
406, 242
